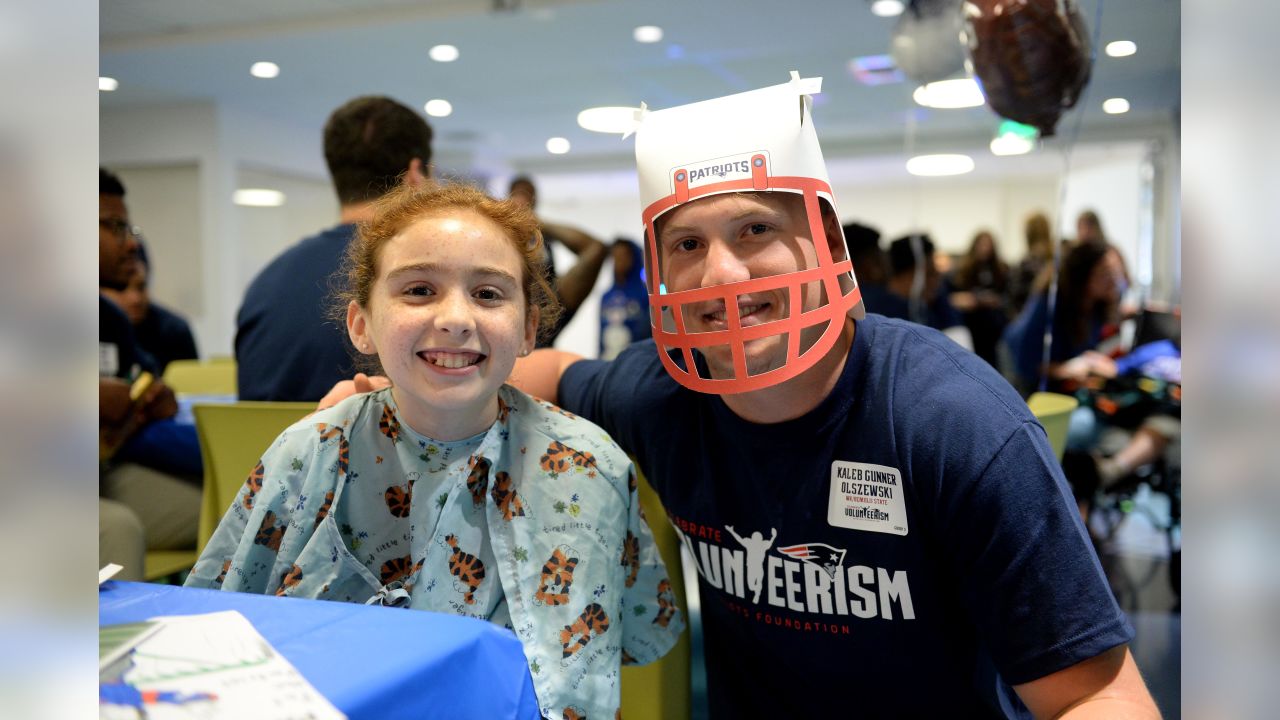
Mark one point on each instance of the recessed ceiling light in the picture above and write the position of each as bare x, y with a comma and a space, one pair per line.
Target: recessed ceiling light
557, 146
1121, 48
939, 165
443, 53
438, 108
647, 34
960, 93
257, 197
887, 8
1115, 106
264, 69
608, 119
107, 84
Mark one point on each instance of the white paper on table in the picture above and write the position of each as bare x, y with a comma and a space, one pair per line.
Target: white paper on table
218, 654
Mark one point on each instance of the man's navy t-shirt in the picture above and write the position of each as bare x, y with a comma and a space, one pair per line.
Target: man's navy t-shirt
909, 548
287, 347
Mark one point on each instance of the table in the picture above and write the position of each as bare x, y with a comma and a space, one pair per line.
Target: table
370, 662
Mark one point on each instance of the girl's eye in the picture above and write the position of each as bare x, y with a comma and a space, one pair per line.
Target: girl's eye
418, 291
488, 294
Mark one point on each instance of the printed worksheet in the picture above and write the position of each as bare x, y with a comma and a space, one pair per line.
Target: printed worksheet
208, 666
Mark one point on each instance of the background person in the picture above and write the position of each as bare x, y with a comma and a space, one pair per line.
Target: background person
573, 286
162, 333
287, 348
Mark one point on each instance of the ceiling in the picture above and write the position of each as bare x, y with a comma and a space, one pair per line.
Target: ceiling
525, 72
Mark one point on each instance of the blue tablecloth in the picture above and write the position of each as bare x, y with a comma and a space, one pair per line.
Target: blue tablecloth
370, 662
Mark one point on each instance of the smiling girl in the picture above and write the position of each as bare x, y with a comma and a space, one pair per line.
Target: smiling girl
452, 491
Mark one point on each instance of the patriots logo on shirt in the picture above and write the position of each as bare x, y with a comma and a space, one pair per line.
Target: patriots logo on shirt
829, 558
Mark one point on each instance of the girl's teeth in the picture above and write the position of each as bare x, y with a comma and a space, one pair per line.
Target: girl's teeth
451, 360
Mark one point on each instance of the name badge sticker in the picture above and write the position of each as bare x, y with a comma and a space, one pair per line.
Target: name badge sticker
866, 497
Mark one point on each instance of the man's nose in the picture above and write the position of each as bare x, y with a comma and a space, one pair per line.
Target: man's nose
723, 265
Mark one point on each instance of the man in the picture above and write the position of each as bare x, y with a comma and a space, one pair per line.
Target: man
915, 290
160, 332
573, 287
287, 348
142, 494
923, 559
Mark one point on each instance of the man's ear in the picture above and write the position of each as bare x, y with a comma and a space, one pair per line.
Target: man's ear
417, 174
358, 329
835, 234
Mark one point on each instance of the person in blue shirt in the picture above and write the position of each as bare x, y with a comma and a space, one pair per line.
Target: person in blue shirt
624, 308
286, 347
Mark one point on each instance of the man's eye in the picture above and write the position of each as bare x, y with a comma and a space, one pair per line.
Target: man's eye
758, 228
687, 245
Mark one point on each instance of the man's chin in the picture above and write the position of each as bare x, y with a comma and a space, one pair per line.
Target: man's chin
759, 360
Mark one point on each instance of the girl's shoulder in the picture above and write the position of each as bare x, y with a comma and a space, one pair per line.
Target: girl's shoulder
340, 419
554, 430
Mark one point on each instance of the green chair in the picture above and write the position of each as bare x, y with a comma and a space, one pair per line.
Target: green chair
1054, 413
196, 377
661, 690
161, 564
233, 437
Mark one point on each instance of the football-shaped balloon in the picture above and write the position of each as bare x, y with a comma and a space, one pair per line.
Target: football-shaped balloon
927, 42
1032, 57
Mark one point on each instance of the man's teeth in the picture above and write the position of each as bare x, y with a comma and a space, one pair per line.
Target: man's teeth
452, 360
743, 311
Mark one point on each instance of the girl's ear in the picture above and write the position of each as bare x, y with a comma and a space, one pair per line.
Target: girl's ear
358, 329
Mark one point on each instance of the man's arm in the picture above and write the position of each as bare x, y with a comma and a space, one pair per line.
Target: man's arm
1106, 686
574, 286
539, 373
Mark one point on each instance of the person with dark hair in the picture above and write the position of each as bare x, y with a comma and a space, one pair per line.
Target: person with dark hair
1090, 284
162, 333
866, 254
573, 287
981, 294
624, 308
286, 348
1089, 227
915, 289
158, 490
1035, 263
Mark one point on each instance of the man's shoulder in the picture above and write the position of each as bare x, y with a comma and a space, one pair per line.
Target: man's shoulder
926, 372
316, 255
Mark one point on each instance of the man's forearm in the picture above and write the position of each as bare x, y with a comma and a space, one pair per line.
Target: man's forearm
539, 373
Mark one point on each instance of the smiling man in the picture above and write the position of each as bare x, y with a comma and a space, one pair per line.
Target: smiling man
879, 524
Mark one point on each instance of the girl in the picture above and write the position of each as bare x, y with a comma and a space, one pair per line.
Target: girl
452, 491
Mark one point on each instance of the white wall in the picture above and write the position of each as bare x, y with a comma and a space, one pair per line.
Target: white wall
224, 146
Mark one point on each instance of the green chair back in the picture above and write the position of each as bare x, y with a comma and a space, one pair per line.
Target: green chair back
196, 377
233, 437
1054, 413
661, 690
